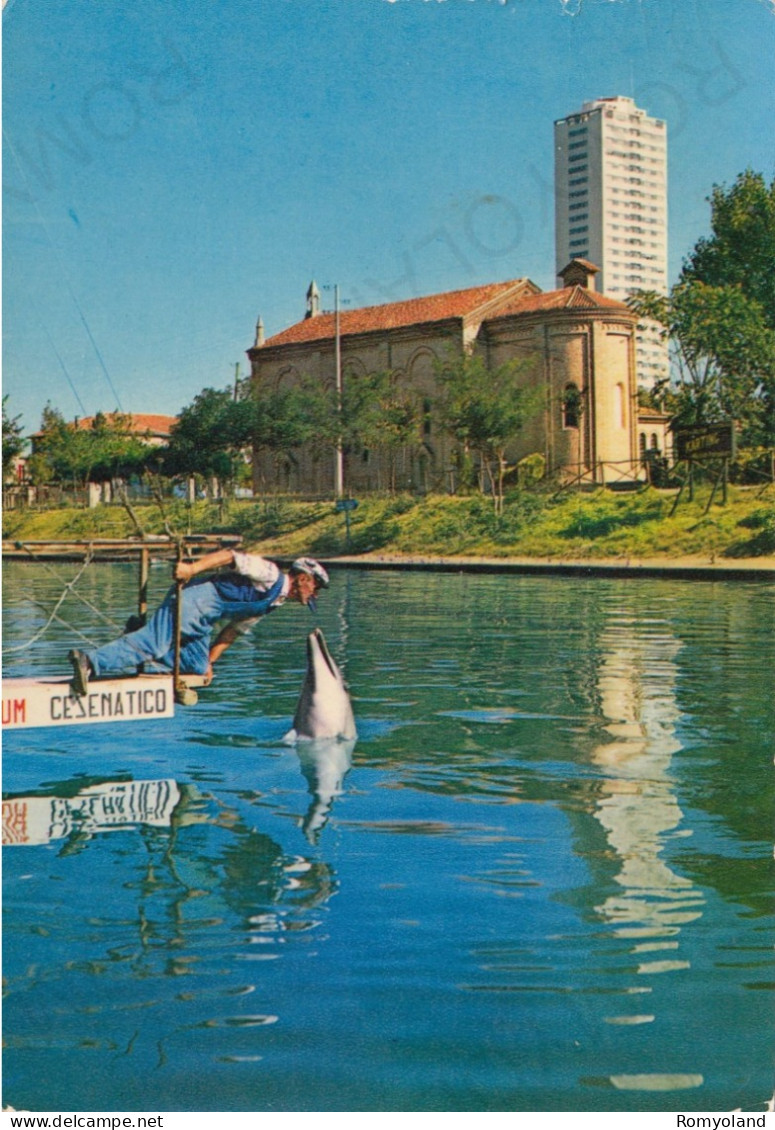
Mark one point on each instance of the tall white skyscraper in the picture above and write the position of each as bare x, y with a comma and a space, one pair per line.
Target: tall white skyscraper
610, 200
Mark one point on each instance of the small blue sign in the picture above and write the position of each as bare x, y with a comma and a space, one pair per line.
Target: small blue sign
346, 503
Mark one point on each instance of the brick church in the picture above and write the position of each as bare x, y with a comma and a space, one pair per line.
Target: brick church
576, 345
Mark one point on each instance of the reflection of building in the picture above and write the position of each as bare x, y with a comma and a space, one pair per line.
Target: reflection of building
577, 346
611, 206
637, 807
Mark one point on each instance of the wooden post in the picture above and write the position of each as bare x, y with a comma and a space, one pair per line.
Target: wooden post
677, 498
142, 598
184, 695
178, 624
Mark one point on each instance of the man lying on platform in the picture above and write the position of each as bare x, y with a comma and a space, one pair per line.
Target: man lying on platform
252, 588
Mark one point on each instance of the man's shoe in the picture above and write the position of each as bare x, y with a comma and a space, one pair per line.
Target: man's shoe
81, 671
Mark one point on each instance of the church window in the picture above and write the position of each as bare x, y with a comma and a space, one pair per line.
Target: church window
571, 406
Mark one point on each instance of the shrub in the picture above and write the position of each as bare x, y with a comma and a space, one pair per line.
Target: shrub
531, 469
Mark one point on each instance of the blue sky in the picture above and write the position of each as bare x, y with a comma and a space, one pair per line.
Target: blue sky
172, 169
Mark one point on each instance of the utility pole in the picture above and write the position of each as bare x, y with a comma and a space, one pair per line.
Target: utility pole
236, 379
339, 469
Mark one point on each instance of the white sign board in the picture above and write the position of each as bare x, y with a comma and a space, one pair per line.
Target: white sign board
51, 702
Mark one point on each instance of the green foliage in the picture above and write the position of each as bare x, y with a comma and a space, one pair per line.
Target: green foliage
378, 414
724, 353
752, 465
763, 540
13, 439
214, 431
531, 469
572, 525
282, 420
202, 440
108, 449
741, 250
505, 527
601, 518
401, 504
485, 409
720, 316
273, 518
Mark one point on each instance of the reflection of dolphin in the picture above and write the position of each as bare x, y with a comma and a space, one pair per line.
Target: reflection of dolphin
323, 709
324, 763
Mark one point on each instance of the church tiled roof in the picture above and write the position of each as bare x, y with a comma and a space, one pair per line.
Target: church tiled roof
475, 304
470, 304
568, 298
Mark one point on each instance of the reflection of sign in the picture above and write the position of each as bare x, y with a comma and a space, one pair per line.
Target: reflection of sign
99, 808
703, 440
34, 702
346, 503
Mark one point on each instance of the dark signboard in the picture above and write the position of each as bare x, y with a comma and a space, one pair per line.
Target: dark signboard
703, 441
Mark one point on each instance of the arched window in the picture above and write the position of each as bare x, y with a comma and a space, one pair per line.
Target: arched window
654, 442
642, 442
621, 404
571, 407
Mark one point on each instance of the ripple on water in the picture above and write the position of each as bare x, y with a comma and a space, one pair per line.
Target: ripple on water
638, 1018
499, 716
656, 1082
258, 1021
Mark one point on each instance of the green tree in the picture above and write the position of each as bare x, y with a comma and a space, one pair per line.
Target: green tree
59, 449
204, 439
741, 250
485, 409
378, 414
373, 412
13, 439
108, 449
213, 433
114, 449
280, 421
723, 353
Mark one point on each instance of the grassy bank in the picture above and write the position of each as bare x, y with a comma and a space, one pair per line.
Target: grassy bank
595, 526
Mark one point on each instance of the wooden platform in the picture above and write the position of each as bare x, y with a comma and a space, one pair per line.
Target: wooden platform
118, 549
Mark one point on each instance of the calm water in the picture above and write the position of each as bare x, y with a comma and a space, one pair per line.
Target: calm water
540, 881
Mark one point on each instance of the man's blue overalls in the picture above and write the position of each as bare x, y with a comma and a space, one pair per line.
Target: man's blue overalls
205, 602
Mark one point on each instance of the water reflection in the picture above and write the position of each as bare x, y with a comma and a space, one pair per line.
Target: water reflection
636, 804
100, 807
203, 853
324, 764
507, 919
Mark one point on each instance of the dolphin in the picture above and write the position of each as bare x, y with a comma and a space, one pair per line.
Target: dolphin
323, 710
